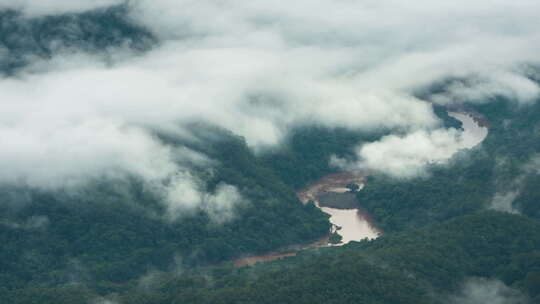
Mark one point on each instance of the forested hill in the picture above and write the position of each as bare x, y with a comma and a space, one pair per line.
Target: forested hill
505, 165
109, 246
113, 230
435, 264
23, 39
148, 144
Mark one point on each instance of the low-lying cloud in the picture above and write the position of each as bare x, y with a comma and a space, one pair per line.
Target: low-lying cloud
481, 291
34, 222
407, 155
504, 202
258, 68
56, 7
184, 193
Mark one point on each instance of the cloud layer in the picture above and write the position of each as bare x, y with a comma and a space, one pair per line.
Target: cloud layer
56, 7
479, 291
257, 68
409, 155
406, 156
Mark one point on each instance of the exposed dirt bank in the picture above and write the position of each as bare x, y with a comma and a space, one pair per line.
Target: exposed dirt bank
330, 183
278, 254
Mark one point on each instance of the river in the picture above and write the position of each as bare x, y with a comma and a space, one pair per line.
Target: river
349, 222
474, 132
352, 224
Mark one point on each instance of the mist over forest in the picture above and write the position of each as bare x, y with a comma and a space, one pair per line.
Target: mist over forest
147, 146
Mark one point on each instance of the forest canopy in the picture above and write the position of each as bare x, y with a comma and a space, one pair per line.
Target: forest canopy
149, 144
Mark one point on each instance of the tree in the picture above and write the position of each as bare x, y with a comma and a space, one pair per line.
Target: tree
353, 187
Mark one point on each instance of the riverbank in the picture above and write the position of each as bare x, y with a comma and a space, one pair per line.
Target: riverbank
331, 194
280, 253
334, 198
336, 183
349, 223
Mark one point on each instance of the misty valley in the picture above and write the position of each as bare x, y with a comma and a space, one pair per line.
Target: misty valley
172, 152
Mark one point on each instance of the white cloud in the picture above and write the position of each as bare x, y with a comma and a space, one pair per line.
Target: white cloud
533, 165
221, 205
82, 118
480, 291
408, 155
184, 193
498, 84
33, 8
60, 153
257, 68
503, 202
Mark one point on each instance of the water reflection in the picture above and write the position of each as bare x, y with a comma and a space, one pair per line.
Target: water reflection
473, 133
352, 225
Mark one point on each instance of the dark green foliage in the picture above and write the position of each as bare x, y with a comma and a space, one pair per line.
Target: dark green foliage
417, 266
335, 238
448, 121
399, 204
402, 268
115, 231
471, 180
62, 247
73, 294
306, 154
23, 39
353, 187
528, 200
105, 243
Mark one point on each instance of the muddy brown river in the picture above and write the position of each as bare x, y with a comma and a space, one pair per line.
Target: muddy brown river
351, 223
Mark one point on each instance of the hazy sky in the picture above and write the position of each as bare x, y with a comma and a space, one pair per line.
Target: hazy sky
257, 68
